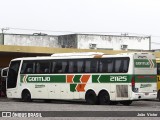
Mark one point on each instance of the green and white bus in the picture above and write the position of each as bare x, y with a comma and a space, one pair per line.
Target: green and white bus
92, 76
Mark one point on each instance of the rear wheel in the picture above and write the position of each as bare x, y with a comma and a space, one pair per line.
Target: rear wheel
127, 103
113, 102
47, 101
91, 97
104, 98
26, 96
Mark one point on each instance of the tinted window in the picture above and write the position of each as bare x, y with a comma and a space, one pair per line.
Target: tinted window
28, 67
106, 65
58, 67
80, 66
94, 65
114, 65
89, 65
42, 67
72, 66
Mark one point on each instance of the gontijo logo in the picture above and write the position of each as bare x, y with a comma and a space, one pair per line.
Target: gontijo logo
27, 78
142, 63
145, 63
38, 79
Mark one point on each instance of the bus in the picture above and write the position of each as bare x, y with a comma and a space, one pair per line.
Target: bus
95, 77
158, 78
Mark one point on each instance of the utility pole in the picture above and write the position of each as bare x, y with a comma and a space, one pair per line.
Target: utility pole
3, 30
149, 42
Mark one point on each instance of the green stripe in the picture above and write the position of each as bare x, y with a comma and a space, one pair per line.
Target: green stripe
76, 78
73, 87
95, 78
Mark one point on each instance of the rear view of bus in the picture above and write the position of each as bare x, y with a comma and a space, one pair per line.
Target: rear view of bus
144, 81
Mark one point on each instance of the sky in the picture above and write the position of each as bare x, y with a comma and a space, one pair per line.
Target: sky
138, 17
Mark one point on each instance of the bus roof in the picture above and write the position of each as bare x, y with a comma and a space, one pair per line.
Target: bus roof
136, 53
80, 55
77, 54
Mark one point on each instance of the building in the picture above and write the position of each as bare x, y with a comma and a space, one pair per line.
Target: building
80, 41
41, 40
105, 42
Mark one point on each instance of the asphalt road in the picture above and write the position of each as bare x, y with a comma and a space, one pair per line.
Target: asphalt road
79, 106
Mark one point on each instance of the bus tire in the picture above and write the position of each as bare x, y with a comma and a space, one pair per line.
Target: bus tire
104, 98
47, 101
26, 96
114, 102
91, 97
127, 103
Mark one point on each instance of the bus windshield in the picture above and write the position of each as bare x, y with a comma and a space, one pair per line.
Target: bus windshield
12, 74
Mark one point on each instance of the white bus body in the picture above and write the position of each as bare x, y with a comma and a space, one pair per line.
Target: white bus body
94, 77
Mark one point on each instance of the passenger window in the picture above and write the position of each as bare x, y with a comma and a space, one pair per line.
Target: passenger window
87, 66
106, 65
126, 65
72, 67
80, 66
94, 66
58, 67
53, 67
65, 67
118, 66
42, 67
27, 67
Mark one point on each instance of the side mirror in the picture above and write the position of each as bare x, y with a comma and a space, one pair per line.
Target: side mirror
4, 72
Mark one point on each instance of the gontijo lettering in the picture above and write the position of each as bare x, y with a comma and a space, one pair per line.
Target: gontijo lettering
142, 63
38, 78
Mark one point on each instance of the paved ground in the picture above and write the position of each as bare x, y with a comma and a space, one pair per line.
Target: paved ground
56, 105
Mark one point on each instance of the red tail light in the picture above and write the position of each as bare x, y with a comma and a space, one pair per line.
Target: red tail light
133, 81
133, 84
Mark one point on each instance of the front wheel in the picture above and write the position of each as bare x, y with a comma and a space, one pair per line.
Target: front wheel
26, 96
127, 103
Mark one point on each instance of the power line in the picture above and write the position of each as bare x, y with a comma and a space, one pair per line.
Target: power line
127, 33
60, 31
38, 30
